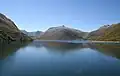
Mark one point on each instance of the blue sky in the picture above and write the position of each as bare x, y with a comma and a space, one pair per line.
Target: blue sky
85, 15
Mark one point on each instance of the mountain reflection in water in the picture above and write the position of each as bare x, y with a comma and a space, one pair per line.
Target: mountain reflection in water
108, 49
59, 59
6, 49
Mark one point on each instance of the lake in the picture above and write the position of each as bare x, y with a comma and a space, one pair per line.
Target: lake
59, 59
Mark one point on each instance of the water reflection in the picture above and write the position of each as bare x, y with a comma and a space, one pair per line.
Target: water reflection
59, 59
108, 49
7, 49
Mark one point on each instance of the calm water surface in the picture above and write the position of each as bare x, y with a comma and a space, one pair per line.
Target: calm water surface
59, 59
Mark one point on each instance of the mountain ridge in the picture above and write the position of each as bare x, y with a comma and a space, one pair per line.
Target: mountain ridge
62, 33
110, 33
34, 33
9, 31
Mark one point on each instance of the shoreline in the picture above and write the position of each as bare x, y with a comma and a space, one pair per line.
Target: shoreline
105, 41
78, 41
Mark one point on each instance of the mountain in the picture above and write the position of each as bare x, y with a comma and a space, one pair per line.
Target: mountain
24, 31
62, 33
32, 34
9, 31
109, 33
112, 33
99, 32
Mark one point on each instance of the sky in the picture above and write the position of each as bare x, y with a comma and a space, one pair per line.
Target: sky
85, 15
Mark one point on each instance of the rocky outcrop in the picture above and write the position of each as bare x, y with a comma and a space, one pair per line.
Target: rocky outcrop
62, 33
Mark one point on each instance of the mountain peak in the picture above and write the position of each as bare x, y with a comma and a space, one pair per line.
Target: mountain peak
106, 33
9, 31
105, 26
62, 33
2, 15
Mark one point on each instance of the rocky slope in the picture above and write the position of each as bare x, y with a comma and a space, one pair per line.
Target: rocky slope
9, 31
99, 32
62, 33
109, 33
112, 33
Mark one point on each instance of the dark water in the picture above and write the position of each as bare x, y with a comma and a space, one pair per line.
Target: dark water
59, 59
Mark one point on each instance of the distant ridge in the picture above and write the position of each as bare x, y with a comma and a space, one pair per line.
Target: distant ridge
34, 34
